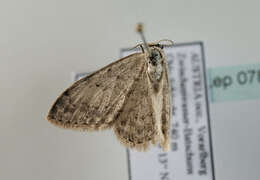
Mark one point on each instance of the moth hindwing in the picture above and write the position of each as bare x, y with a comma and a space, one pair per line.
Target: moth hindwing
131, 95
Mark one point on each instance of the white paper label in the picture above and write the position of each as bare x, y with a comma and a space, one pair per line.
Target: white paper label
190, 157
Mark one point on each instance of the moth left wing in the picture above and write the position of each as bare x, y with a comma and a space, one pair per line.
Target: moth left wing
92, 102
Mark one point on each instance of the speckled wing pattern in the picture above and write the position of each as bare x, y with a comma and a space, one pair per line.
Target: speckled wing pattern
120, 96
166, 108
135, 122
92, 102
145, 117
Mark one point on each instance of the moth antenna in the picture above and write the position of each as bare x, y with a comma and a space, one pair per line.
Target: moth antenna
140, 30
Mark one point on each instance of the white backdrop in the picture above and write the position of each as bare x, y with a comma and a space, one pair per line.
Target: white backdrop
42, 42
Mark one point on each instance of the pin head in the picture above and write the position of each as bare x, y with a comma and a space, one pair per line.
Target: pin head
140, 27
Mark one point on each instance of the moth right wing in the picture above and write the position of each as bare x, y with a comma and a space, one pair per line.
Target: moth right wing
92, 102
166, 108
135, 124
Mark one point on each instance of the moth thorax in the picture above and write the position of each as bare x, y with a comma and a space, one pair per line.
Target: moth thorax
155, 65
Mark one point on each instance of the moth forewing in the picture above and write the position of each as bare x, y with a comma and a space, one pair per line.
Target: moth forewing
167, 108
92, 102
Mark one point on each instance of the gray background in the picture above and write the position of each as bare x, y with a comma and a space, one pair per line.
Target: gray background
42, 42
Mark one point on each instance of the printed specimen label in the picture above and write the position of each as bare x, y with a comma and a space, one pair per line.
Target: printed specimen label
191, 151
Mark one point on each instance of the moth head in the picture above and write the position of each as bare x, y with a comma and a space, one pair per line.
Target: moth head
155, 59
155, 56
154, 50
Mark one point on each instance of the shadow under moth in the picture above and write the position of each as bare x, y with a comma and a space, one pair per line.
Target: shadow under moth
132, 96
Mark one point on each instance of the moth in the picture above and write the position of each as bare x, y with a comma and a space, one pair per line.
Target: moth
132, 96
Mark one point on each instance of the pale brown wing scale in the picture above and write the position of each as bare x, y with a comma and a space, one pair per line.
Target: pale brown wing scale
166, 108
131, 95
145, 117
92, 102
135, 122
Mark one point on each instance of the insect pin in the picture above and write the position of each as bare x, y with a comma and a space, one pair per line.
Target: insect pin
132, 96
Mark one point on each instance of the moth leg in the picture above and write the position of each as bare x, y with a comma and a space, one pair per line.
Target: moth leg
141, 46
138, 45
